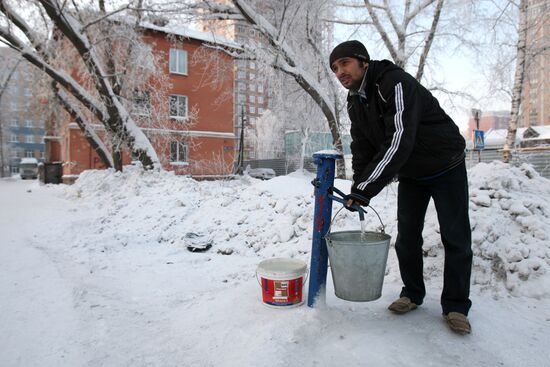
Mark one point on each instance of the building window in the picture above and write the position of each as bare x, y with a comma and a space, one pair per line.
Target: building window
13, 138
29, 139
42, 154
260, 110
29, 154
178, 151
260, 99
14, 170
260, 88
252, 65
241, 98
142, 103
178, 106
28, 123
241, 86
14, 123
178, 61
252, 109
241, 75
251, 76
252, 99
251, 87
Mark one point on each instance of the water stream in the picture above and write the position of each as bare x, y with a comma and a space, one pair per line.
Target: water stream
363, 230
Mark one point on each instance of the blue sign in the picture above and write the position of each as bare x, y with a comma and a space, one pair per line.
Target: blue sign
479, 140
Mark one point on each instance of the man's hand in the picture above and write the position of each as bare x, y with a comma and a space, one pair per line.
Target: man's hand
349, 205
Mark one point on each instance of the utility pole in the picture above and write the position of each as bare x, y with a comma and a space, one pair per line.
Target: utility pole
240, 158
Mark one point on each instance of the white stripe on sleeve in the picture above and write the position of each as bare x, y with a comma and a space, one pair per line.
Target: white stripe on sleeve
398, 122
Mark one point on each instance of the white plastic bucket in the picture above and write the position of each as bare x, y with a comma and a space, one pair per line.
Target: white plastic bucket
282, 281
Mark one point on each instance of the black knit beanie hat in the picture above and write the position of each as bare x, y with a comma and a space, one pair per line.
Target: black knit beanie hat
352, 48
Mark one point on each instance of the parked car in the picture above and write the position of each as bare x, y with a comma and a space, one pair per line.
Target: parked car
261, 173
28, 168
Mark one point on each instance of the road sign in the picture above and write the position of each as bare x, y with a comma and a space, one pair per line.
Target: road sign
479, 140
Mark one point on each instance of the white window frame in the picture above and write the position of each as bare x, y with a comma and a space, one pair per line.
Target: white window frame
29, 139
260, 100
14, 123
28, 123
174, 55
181, 153
260, 88
29, 153
14, 170
178, 115
14, 138
252, 109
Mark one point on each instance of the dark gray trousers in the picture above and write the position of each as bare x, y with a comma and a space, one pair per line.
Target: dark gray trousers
450, 194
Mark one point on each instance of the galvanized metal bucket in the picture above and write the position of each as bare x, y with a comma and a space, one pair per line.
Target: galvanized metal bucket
358, 263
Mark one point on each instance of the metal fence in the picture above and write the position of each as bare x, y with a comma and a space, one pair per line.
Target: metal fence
539, 160
281, 166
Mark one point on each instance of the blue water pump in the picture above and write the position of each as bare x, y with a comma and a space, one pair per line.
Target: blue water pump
324, 196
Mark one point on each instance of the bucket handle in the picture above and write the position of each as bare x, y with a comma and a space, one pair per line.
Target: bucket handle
332, 190
303, 283
339, 210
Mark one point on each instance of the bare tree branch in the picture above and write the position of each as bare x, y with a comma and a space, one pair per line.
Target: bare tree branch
429, 40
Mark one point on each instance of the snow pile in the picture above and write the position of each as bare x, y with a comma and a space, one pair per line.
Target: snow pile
510, 218
238, 216
261, 219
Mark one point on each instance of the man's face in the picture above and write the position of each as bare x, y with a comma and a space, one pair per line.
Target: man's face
349, 71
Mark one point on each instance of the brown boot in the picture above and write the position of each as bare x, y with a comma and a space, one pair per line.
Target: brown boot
458, 323
402, 305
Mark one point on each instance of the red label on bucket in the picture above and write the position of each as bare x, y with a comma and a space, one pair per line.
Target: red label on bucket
282, 292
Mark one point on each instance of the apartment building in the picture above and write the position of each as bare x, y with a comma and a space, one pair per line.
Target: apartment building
204, 148
21, 127
535, 107
490, 120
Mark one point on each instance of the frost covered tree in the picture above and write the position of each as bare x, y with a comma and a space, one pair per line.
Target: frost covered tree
290, 42
86, 53
406, 28
532, 17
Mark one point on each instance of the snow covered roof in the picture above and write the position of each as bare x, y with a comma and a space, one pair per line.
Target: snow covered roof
495, 138
190, 33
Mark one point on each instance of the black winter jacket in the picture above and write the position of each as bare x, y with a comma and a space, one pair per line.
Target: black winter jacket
399, 130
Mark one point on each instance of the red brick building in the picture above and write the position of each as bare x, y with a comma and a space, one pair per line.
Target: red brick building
489, 120
205, 147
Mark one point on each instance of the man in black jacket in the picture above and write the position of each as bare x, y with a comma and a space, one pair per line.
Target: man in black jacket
399, 129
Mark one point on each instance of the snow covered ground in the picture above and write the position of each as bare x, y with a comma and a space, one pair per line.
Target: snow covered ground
98, 274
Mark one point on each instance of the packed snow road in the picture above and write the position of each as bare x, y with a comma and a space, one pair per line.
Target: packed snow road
98, 274
39, 323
